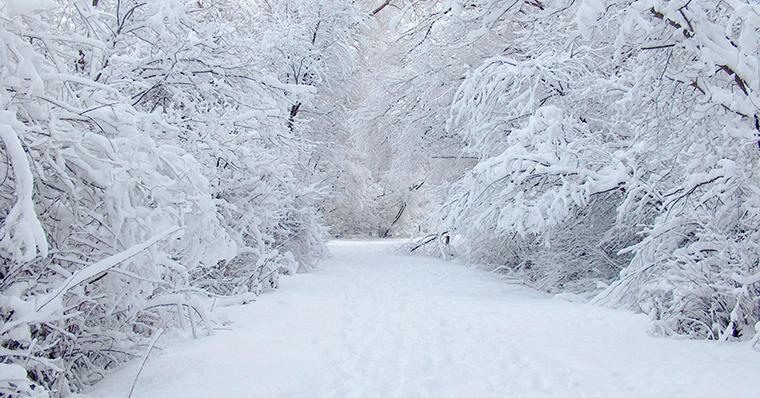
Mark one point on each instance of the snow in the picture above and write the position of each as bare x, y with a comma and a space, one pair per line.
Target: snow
371, 322
102, 266
21, 233
19, 7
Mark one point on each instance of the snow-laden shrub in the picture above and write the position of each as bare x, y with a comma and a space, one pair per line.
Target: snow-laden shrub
579, 255
634, 127
696, 269
146, 166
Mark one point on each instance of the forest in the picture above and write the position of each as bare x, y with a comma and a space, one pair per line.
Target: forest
162, 158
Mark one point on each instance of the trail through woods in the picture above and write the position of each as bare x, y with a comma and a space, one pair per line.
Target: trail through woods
370, 322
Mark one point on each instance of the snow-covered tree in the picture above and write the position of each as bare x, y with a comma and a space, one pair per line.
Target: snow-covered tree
644, 114
148, 166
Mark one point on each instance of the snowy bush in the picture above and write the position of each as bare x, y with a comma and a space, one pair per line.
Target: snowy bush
615, 137
147, 165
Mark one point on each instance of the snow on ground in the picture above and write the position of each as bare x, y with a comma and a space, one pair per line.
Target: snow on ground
373, 323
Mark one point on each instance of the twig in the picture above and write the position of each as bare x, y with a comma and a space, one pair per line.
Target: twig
153, 342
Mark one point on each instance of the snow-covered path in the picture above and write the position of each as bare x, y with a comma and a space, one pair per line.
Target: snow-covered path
370, 323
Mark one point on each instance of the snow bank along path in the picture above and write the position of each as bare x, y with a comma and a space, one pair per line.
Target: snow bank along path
371, 323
